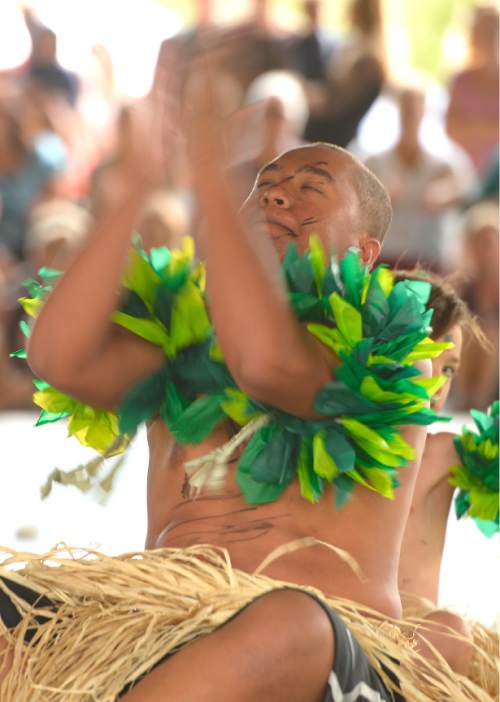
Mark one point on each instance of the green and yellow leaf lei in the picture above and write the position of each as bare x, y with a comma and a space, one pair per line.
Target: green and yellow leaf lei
377, 328
477, 475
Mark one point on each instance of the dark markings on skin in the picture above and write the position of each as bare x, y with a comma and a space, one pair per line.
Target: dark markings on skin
321, 172
251, 529
203, 535
313, 168
174, 525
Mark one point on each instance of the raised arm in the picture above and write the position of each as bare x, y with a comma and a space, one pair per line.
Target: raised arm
74, 345
270, 354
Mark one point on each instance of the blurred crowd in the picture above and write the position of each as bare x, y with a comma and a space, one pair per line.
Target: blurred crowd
62, 135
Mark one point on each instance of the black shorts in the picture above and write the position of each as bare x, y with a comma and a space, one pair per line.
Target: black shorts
352, 679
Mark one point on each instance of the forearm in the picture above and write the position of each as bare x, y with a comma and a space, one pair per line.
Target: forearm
271, 356
248, 300
75, 320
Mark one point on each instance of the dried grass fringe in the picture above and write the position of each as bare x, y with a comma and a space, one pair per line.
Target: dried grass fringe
484, 670
118, 616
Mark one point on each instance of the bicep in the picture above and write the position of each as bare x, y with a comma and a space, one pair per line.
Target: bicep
123, 361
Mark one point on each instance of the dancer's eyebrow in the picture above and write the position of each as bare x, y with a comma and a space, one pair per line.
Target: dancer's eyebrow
317, 170
270, 167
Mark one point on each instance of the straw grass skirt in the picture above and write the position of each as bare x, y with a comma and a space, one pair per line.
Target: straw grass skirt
118, 616
485, 665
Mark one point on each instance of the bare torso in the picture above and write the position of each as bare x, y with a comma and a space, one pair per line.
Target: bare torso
424, 537
369, 527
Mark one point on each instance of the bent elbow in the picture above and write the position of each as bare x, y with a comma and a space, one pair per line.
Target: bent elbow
272, 380
258, 375
44, 362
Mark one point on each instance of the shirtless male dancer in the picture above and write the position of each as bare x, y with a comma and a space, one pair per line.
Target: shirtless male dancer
282, 646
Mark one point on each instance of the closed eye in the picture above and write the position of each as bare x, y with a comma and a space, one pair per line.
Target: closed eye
265, 184
310, 186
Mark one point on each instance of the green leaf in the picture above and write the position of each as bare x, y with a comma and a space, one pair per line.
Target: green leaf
46, 417
343, 490
49, 274
198, 420
488, 527
340, 448
149, 329
190, 323
173, 405
353, 276
141, 278
324, 463
163, 306
237, 406
276, 462
318, 261
311, 485
347, 318
336, 399
256, 492
142, 402
134, 306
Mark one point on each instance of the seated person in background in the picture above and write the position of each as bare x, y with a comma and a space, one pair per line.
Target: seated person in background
425, 532
164, 221
355, 77
423, 189
56, 230
30, 162
472, 117
477, 383
424, 536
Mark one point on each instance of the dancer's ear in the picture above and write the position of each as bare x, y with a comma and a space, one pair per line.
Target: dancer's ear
369, 249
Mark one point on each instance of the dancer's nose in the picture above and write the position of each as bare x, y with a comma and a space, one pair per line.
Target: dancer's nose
275, 195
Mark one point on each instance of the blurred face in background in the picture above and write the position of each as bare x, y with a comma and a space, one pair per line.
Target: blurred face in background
312, 10
303, 192
447, 364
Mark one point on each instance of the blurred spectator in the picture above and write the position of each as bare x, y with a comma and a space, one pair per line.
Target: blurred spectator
164, 221
273, 123
254, 47
31, 159
472, 118
477, 384
43, 68
181, 49
311, 53
423, 188
56, 229
355, 78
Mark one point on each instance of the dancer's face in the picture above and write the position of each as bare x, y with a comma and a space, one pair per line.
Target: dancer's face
447, 364
303, 192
